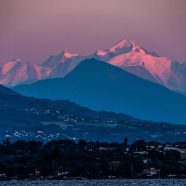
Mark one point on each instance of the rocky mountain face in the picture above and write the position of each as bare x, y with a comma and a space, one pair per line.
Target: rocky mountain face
17, 72
131, 57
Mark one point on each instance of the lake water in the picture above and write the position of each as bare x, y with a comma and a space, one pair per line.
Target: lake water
118, 182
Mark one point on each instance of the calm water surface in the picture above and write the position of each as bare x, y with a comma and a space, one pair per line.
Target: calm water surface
126, 182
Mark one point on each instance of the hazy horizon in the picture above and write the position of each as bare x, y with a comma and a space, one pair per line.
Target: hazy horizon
33, 30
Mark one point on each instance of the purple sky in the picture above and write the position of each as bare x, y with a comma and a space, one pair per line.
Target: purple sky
34, 29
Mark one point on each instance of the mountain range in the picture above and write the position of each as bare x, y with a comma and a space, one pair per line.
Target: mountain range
125, 54
102, 86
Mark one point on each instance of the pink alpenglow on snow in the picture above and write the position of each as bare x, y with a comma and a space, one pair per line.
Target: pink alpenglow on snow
125, 54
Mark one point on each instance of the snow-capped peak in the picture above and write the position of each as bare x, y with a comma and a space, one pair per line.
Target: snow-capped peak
123, 46
62, 57
16, 60
130, 56
101, 52
125, 54
10, 65
67, 54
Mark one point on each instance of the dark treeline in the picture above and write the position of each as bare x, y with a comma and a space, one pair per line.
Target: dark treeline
65, 159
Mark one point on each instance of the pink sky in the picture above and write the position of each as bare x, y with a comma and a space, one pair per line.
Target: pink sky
34, 29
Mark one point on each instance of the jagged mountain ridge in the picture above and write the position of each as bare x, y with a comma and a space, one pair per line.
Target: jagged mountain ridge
125, 54
131, 57
16, 71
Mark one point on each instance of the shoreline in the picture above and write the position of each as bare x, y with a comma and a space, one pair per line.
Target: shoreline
79, 178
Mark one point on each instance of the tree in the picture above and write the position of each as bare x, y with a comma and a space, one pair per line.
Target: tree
125, 142
6, 142
172, 155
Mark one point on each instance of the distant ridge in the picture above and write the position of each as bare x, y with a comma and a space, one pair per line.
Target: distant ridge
101, 86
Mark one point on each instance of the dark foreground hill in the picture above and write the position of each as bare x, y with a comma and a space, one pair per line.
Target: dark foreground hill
100, 86
30, 118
